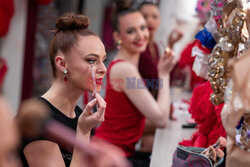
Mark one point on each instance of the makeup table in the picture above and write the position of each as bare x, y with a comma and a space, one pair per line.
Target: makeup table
167, 139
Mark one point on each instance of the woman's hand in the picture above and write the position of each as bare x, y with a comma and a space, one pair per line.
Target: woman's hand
166, 63
175, 35
89, 120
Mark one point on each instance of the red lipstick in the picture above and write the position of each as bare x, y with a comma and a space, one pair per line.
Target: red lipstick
150, 28
98, 81
140, 43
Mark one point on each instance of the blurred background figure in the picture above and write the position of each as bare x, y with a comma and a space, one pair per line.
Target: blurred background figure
235, 114
9, 141
150, 57
148, 64
34, 120
129, 105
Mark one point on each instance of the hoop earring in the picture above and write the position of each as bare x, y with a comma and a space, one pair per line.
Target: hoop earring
119, 44
65, 77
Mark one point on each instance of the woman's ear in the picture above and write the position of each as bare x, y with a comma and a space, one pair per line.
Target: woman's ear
116, 36
60, 62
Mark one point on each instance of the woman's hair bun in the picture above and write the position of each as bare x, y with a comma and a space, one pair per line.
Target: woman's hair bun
71, 21
123, 5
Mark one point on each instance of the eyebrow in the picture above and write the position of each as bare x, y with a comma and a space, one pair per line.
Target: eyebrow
92, 54
131, 28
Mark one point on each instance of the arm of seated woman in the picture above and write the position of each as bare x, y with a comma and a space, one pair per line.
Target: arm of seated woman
43, 153
155, 111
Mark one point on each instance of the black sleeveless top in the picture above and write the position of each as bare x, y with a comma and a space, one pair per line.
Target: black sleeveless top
58, 116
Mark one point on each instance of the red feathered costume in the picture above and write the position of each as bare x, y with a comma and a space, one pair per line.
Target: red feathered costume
186, 59
218, 129
207, 117
6, 13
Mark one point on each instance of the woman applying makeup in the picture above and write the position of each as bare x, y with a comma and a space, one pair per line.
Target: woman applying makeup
74, 48
128, 105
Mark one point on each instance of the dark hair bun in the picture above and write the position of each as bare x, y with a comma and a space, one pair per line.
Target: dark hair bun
123, 5
71, 21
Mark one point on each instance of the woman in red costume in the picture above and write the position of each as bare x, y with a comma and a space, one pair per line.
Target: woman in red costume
128, 100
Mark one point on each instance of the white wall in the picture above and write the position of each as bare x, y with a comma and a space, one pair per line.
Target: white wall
179, 13
94, 10
13, 52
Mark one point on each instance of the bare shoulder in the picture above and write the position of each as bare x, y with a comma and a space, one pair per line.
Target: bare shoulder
122, 70
122, 73
43, 153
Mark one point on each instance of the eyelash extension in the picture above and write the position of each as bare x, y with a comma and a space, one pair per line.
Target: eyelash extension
91, 61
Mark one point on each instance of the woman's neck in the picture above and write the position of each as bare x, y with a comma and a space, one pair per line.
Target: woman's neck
63, 97
128, 56
151, 41
151, 37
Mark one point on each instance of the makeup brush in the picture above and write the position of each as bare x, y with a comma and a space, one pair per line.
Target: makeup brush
93, 77
94, 84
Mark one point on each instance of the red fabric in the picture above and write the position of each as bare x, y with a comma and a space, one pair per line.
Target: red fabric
148, 67
201, 107
6, 13
148, 64
3, 70
186, 59
124, 124
218, 129
43, 2
198, 140
207, 117
201, 47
